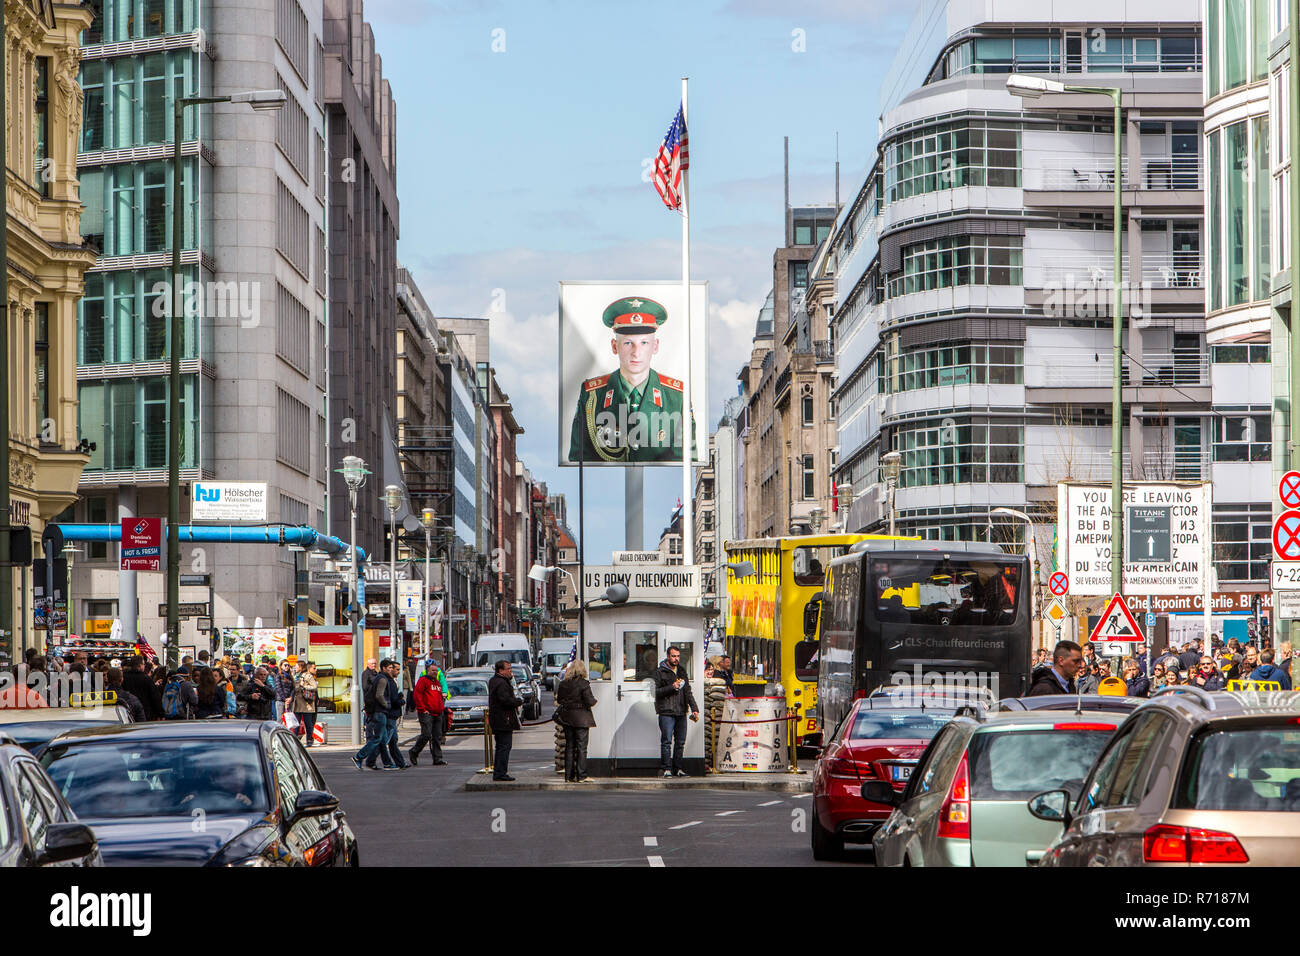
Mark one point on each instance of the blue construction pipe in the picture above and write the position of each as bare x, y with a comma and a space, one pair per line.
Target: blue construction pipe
302, 535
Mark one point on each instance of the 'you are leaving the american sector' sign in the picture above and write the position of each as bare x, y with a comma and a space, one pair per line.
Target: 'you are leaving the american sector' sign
1166, 532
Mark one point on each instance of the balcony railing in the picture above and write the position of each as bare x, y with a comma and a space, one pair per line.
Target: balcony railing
1162, 270
1068, 460
1091, 368
1095, 173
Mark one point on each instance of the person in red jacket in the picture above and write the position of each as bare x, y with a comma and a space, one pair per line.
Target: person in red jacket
430, 702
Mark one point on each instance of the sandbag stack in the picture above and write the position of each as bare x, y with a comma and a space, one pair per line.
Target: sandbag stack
715, 692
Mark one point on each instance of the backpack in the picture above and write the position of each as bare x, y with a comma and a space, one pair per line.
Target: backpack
371, 702
232, 706
173, 703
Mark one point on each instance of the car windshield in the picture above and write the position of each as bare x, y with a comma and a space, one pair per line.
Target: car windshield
897, 724
1016, 764
491, 657
33, 734
557, 660
467, 688
144, 778
521, 672
1243, 768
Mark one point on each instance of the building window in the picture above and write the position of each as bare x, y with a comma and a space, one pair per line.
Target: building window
809, 478
292, 130
293, 435
97, 513
41, 126
1243, 542
706, 520
294, 231
291, 33
1238, 214
1239, 354
957, 261
293, 330
136, 200
798, 276
127, 421
966, 153
120, 319
42, 348
960, 365
1243, 437
960, 452
807, 408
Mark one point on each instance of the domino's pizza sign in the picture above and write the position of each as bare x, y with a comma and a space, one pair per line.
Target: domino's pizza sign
141, 544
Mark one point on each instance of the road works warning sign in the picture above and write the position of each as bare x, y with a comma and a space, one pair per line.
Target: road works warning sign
1172, 561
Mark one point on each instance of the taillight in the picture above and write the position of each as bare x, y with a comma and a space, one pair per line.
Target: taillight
1164, 843
860, 694
1106, 727
842, 767
954, 815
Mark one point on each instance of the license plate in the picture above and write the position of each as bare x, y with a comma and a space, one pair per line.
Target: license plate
900, 773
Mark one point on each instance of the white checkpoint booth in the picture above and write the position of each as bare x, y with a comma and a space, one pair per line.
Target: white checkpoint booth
624, 645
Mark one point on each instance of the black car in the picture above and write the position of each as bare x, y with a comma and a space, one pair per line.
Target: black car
37, 827
201, 793
1119, 705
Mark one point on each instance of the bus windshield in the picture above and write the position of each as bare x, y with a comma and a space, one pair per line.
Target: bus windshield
945, 590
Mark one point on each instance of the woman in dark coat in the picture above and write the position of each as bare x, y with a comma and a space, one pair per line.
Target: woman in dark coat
573, 703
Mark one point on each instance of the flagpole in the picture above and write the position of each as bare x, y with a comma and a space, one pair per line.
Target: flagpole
688, 523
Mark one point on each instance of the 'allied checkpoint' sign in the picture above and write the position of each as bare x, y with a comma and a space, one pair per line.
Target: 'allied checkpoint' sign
1168, 526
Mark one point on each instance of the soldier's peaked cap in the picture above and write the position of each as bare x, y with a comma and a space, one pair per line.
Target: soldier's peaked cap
635, 314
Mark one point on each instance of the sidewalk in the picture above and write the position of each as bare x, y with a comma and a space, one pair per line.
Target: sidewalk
548, 779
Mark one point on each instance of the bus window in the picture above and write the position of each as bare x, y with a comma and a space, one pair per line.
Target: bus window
805, 660
808, 571
945, 591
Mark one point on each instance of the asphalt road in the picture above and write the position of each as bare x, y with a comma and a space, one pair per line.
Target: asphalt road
422, 816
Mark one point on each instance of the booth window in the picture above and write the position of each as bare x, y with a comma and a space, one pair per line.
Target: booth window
598, 659
640, 654
688, 656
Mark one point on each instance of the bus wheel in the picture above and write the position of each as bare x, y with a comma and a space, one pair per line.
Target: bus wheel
825, 846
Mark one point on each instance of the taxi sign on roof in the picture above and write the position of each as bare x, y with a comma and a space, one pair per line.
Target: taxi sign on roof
93, 698
1112, 687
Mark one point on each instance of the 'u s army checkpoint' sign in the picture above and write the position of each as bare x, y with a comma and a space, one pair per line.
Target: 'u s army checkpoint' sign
1167, 532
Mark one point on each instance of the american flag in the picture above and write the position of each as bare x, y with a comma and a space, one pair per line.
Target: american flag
672, 161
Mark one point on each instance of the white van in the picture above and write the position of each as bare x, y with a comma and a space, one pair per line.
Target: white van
490, 648
554, 658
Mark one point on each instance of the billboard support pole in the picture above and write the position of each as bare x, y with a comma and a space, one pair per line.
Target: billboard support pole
634, 507
688, 432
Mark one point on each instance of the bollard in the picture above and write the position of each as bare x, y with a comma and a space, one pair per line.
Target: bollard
487, 746
716, 724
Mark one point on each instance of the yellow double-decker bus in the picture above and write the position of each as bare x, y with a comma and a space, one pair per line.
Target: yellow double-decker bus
772, 584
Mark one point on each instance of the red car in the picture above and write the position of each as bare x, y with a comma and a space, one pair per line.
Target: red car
879, 739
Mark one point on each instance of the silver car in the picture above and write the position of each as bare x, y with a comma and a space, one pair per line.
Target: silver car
966, 801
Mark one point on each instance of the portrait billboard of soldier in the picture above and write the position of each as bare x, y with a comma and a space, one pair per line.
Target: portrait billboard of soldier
623, 360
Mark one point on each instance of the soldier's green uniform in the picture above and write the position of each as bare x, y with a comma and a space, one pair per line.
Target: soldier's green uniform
615, 422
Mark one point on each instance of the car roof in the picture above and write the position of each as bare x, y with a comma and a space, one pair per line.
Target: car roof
1070, 702
1202, 706
27, 715
172, 729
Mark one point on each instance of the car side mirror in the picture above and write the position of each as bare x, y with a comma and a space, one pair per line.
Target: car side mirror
66, 841
1052, 806
314, 803
881, 791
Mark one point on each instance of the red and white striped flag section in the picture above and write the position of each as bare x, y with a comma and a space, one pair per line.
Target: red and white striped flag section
672, 161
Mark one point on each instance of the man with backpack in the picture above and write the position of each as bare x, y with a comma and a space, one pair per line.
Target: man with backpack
180, 699
430, 701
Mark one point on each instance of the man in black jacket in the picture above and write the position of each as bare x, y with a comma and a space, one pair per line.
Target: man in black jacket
383, 698
503, 717
137, 682
673, 697
1067, 659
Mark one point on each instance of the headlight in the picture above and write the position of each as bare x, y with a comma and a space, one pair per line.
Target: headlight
476, 710
252, 861
247, 849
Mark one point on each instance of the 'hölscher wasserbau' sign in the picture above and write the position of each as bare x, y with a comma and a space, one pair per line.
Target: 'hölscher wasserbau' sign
1167, 532
674, 584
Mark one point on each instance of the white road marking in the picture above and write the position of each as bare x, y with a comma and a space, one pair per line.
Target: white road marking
727, 813
771, 803
800, 796
655, 860
683, 826
651, 841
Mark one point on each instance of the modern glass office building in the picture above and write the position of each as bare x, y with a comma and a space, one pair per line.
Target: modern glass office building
253, 249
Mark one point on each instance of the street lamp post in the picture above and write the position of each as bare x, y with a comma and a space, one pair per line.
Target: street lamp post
1032, 87
1031, 551
892, 464
258, 100
427, 519
354, 473
393, 499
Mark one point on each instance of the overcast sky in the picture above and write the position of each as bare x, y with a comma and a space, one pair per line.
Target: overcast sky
522, 128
